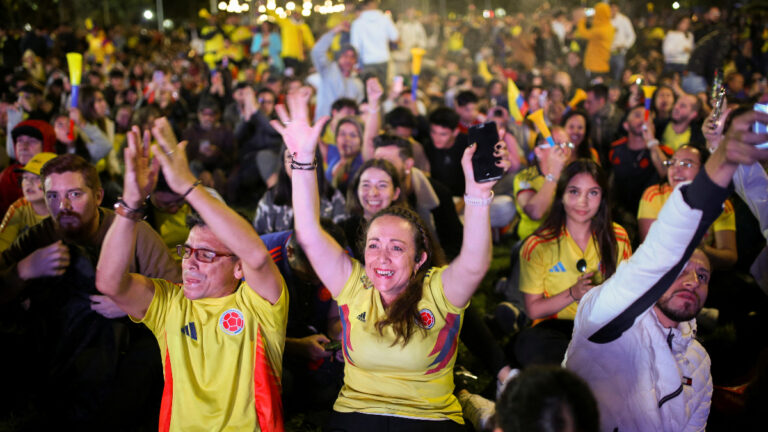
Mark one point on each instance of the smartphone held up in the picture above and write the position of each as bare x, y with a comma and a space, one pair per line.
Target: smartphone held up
485, 136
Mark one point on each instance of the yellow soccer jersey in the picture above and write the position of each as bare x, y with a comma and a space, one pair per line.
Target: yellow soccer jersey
172, 227
529, 179
674, 140
19, 217
549, 266
222, 359
414, 381
655, 196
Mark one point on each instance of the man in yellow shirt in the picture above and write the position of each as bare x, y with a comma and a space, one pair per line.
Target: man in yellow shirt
221, 332
683, 127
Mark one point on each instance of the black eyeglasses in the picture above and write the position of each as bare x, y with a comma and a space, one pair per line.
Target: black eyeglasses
202, 255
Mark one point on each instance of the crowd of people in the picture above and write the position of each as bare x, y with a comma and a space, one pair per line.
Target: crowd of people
246, 219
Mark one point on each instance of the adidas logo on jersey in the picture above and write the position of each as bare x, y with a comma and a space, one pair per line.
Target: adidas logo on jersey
190, 330
361, 317
558, 268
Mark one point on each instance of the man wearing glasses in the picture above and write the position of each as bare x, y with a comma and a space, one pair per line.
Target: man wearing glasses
221, 332
97, 370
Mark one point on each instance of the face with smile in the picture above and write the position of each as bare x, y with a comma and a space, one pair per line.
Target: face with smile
71, 203
665, 100
684, 165
582, 198
390, 256
376, 191
685, 297
576, 127
218, 278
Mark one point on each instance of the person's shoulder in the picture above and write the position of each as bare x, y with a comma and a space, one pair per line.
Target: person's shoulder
621, 142
655, 192
620, 233
536, 241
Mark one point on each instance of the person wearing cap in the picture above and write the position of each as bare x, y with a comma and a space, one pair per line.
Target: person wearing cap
337, 78
29, 209
26, 108
92, 368
30, 137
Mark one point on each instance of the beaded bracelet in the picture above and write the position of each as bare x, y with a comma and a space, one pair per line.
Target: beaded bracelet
306, 166
478, 202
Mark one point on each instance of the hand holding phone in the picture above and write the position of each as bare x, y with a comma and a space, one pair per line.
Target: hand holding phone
485, 136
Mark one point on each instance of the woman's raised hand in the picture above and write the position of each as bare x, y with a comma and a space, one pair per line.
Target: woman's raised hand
299, 136
482, 190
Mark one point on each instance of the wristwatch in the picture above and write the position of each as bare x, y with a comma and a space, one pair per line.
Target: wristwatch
551, 178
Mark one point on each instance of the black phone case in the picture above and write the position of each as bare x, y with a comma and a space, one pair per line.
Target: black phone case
483, 161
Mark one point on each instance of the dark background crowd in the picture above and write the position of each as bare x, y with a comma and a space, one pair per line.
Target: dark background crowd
217, 76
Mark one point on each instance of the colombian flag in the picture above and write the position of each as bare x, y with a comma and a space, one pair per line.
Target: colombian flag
517, 105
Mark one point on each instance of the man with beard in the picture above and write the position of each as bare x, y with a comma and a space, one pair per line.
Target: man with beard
683, 127
95, 368
634, 335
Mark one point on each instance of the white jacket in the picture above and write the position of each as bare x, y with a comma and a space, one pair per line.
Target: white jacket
646, 377
371, 34
677, 47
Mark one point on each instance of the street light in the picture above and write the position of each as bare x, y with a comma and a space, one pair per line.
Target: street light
675, 5
148, 15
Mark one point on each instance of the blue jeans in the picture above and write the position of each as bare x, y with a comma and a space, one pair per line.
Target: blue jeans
694, 84
618, 62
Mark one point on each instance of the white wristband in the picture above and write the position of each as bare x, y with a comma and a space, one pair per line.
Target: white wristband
478, 202
652, 143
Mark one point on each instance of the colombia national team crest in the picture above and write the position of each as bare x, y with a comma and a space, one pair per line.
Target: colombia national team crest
232, 322
427, 318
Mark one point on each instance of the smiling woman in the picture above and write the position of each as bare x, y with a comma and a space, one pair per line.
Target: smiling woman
575, 249
402, 310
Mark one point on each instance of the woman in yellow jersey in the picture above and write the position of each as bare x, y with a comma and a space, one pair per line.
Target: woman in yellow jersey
401, 313
719, 243
575, 248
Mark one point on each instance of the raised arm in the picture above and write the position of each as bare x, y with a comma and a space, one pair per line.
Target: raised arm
372, 117
332, 265
233, 230
131, 292
551, 161
605, 313
463, 275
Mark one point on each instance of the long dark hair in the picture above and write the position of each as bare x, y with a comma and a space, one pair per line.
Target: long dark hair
585, 148
86, 104
602, 223
403, 313
282, 190
353, 202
